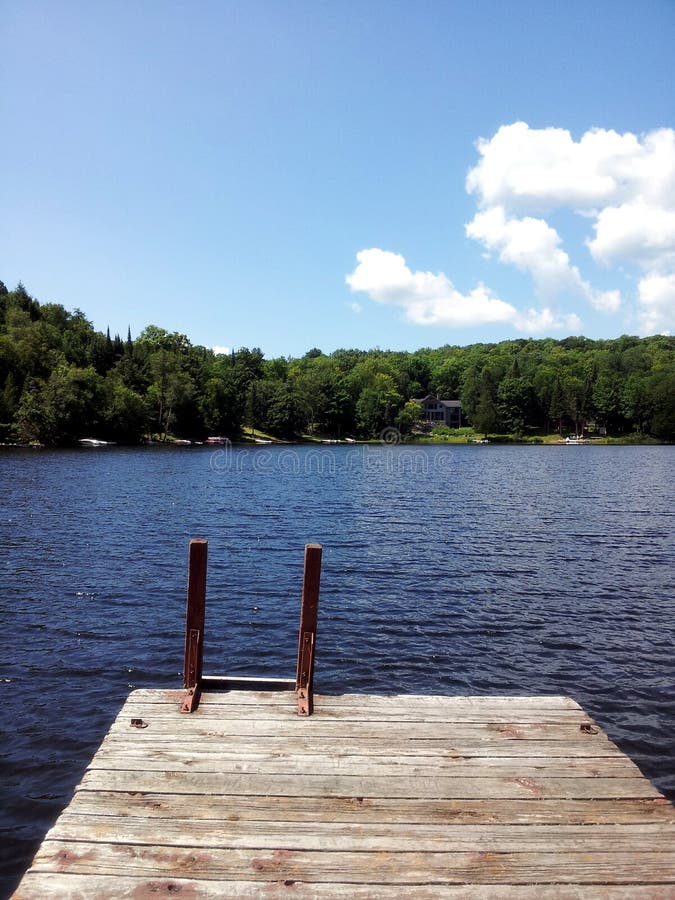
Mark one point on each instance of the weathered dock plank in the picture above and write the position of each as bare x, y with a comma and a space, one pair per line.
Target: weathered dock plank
202, 729
241, 746
266, 763
378, 867
401, 714
341, 809
375, 701
351, 836
116, 887
377, 797
337, 785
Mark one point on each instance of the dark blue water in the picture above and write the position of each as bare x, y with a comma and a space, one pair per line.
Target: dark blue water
459, 570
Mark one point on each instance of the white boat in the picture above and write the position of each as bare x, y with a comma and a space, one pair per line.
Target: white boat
574, 439
92, 442
261, 441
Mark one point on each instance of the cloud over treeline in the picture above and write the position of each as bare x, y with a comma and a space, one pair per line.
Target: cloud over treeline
429, 298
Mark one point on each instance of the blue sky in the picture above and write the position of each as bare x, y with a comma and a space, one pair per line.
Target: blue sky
290, 175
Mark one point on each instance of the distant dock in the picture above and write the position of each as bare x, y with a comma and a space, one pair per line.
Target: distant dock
245, 788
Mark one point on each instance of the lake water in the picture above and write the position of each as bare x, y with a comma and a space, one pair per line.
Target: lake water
455, 570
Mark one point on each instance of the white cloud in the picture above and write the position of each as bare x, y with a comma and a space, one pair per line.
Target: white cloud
356, 308
533, 246
636, 232
221, 351
622, 186
623, 183
432, 299
536, 321
537, 169
657, 304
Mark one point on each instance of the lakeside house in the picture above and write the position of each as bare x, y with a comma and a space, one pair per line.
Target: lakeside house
441, 412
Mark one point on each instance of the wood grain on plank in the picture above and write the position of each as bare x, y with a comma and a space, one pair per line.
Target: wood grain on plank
55, 886
390, 837
372, 747
193, 727
377, 867
338, 714
409, 767
310, 785
372, 701
236, 808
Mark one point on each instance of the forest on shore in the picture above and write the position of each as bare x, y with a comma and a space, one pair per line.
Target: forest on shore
61, 380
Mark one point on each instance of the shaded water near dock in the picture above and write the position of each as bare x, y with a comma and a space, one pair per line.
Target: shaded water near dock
453, 570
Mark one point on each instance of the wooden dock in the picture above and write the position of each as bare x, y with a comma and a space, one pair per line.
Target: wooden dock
248, 788
369, 797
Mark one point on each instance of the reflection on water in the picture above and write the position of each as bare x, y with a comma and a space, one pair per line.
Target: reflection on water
456, 570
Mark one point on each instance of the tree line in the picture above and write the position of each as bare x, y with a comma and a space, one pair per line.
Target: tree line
61, 380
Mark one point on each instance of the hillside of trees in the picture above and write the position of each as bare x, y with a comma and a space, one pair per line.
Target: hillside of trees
60, 380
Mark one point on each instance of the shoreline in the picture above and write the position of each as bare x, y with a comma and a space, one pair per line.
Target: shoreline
500, 440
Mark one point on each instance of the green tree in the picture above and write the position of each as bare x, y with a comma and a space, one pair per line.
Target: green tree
378, 406
222, 405
418, 371
607, 399
576, 401
661, 393
125, 413
515, 400
636, 406
558, 405
62, 409
159, 339
33, 419
486, 416
446, 380
9, 401
169, 390
287, 416
409, 418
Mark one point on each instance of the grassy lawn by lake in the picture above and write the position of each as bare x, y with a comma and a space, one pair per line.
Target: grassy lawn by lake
445, 435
